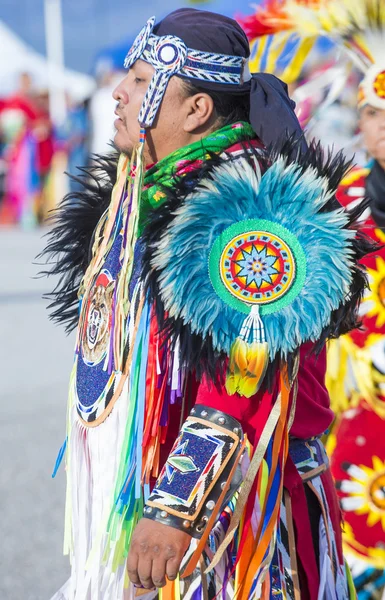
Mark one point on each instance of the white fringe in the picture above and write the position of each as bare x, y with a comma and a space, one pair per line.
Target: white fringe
92, 469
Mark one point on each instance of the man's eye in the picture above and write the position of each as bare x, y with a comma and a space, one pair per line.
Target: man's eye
138, 80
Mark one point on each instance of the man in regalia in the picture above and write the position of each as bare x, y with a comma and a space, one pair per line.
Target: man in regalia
200, 254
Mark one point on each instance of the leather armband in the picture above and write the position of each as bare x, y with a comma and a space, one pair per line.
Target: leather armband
196, 472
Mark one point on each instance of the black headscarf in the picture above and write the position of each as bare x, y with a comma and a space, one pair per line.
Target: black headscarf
272, 113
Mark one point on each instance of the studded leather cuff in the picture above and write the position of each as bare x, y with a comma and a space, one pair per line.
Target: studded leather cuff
196, 471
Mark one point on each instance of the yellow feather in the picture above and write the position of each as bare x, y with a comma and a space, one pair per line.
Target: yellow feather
293, 70
257, 47
277, 47
258, 357
237, 365
231, 384
239, 355
356, 25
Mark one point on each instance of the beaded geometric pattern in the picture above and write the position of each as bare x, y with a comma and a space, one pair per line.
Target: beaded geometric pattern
205, 66
194, 465
254, 262
94, 383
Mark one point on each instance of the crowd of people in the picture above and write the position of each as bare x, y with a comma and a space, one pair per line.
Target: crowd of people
35, 152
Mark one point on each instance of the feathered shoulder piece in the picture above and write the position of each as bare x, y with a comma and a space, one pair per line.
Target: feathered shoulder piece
69, 246
258, 259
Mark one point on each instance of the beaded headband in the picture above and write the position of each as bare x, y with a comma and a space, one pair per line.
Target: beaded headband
170, 56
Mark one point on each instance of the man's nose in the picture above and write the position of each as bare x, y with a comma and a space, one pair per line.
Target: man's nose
382, 120
116, 93
120, 94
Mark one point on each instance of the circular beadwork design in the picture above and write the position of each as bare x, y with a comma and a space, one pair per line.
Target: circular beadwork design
169, 54
372, 87
376, 491
379, 85
257, 267
254, 262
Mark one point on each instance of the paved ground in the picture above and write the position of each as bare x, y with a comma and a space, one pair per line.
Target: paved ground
35, 361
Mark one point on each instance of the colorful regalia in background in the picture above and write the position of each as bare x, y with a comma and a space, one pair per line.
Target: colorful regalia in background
19, 150
356, 381
33, 162
356, 376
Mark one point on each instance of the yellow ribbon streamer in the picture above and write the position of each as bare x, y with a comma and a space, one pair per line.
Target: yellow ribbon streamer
248, 481
256, 462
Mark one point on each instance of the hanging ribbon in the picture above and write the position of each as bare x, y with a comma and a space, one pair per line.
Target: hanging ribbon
274, 436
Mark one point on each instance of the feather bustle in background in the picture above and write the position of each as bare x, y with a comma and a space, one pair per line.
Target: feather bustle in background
355, 26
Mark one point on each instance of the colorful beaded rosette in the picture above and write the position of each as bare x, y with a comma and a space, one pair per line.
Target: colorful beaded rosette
253, 269
253, 262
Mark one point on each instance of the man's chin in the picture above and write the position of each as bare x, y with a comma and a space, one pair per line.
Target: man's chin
122, 145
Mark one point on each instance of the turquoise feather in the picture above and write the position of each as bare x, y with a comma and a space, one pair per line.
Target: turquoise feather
285, 195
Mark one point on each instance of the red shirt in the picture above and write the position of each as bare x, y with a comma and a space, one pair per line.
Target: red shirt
313, 414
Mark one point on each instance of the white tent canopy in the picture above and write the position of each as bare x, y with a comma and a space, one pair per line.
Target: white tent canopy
17, 57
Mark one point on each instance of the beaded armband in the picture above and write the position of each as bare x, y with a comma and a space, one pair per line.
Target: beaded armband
197, 471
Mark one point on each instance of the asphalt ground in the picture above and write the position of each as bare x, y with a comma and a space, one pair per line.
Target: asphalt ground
35, 362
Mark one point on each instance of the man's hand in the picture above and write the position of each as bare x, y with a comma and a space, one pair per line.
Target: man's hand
156, 551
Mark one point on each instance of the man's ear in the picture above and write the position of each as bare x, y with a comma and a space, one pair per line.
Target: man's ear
200, 112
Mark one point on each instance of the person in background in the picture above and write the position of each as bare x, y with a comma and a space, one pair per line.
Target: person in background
356, 362
74, 138
357, 365
18, 116
43, 134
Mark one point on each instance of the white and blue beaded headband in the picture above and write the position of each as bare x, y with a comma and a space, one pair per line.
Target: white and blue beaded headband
170, 56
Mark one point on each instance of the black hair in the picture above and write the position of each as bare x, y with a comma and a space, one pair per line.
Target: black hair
230, 108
